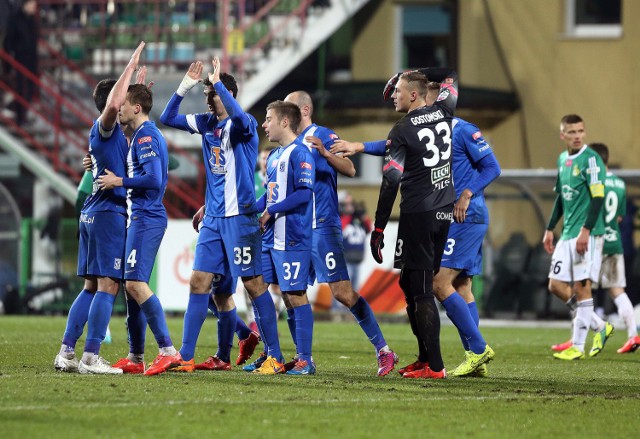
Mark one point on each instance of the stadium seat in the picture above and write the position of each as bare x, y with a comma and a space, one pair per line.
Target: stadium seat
509, 274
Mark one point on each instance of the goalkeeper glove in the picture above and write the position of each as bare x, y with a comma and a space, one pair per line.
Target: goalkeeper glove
390, 86
187, 84
377, 244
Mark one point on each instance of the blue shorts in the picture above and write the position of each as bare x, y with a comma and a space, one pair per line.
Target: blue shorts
143, 242
287, 268
101, 247
463, 250
329, 264
229, 246
223, 284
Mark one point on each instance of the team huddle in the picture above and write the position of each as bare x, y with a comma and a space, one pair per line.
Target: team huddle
290, 236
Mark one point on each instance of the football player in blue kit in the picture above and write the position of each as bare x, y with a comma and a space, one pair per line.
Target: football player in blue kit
102, 233
474, 167
328, 250
287, 225
229, 234
146, 182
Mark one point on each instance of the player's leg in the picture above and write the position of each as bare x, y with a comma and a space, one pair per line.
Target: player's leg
593, 259
423, 358
143, 242
246, 261
137, 331
330, 266
106, 240
227, 316
292, 270
613, 278
66, 360
98, 321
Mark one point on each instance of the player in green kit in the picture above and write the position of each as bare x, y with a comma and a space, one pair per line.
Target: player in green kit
578, 255
612, 274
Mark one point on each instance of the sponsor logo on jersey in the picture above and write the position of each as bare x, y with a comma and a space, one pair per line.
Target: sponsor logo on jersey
484, 148
306, 165
448, 216
610, 234
147, 155
441, 173
444, 94
144, 139
84, 218
305, 180
425, 118
217, 161
272, 192
568, 162
333, 136
217, 132
282, 166
476, 135
576, 171
568, 193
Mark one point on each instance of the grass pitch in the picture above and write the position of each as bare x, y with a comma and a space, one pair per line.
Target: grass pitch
528, 394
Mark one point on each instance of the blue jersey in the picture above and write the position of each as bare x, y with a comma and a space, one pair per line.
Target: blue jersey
147, 145
325, 192
108, 151
289, 168
469, 147
230, 150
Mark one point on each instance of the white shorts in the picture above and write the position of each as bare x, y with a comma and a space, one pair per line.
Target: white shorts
568, 266
612, 273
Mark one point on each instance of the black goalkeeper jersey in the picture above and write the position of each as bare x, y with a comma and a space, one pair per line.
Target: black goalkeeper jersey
418, 155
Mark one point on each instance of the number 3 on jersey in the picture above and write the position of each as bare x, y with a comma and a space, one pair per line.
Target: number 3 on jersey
443, 130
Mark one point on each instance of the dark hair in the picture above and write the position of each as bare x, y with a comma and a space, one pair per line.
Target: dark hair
227, 80
141, 95
570, 119
287, 110
602, 151
101, 93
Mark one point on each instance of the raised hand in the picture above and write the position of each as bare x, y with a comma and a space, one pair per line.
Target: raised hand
135, 58
215, 76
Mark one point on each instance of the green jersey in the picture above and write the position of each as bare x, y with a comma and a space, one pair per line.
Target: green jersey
580, 178
615, 206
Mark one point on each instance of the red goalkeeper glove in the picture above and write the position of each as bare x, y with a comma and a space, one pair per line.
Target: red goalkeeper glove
377, 244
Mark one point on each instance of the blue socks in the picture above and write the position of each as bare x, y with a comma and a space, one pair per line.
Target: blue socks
154, 313
241, 328
136, 326
304, 331
473, 310
265, 312
193, 319
367, 321
291, 322
226, 326
99, 316
459, 313
77, 318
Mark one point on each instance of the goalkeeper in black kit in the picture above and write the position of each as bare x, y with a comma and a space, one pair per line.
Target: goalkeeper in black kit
418, 158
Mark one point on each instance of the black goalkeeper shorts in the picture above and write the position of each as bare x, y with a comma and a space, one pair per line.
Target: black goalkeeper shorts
422, 238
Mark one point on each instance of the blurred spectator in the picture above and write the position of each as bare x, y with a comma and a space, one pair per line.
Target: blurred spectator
356, 225
22, 43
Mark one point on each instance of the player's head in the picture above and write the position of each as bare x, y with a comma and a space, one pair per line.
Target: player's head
433, 89
572, 131
138, 103
282, 119
211, 97
227, 80
101, 93
262, 159
410, 91
304, 102
602, 151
